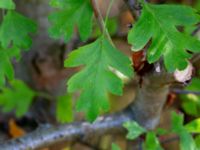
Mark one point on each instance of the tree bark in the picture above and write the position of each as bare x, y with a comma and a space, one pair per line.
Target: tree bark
150, 99
45, 136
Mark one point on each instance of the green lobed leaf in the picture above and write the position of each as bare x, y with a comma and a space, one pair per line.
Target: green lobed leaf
18, 97
151, 142
7, 4
6, 68
197, 141
96, 79
134, 130
71, 13
191, 107
15, 30
64, 109
186, 139
177, 122
115, 147
159, 23
191, 102
193, 126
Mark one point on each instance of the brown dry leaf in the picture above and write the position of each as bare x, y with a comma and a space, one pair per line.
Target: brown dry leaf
14, 130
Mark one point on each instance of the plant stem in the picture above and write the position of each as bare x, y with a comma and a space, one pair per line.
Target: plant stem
101, 22
108, 12
44, 95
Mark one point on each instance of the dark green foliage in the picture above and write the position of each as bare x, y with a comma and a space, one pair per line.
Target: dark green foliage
71, 14
191, 102
15, 30
18, 97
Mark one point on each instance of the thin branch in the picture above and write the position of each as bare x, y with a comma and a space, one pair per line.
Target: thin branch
180, 91
45, 136
108, 11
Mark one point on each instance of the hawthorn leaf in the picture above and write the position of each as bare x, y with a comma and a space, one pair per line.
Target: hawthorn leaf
6, 68
96, 79
115, 147
18, 97
193, 126
191, 107
134, 130
177, 122
71, 13
141, 32
151, 142
159, 23
197, 141
7, 4
64, 109
191, 102
15, 30
186, 140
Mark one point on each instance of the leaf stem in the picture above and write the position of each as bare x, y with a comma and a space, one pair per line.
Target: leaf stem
108, 11
101, 22
44, 95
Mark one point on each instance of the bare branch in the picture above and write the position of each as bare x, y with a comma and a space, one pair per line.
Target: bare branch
181, 91
46, 136
150, 99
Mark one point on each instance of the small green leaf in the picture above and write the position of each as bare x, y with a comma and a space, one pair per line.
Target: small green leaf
115, 147
166, 40
15, 30
141, 32
71, 13
18, 97
191, 107
197, 141
186, 141
134, 130
7, 4
177, 122
194, 85
6, 68
193, 126
96, 79
64, 109
161, 131
151, 142
191, 102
